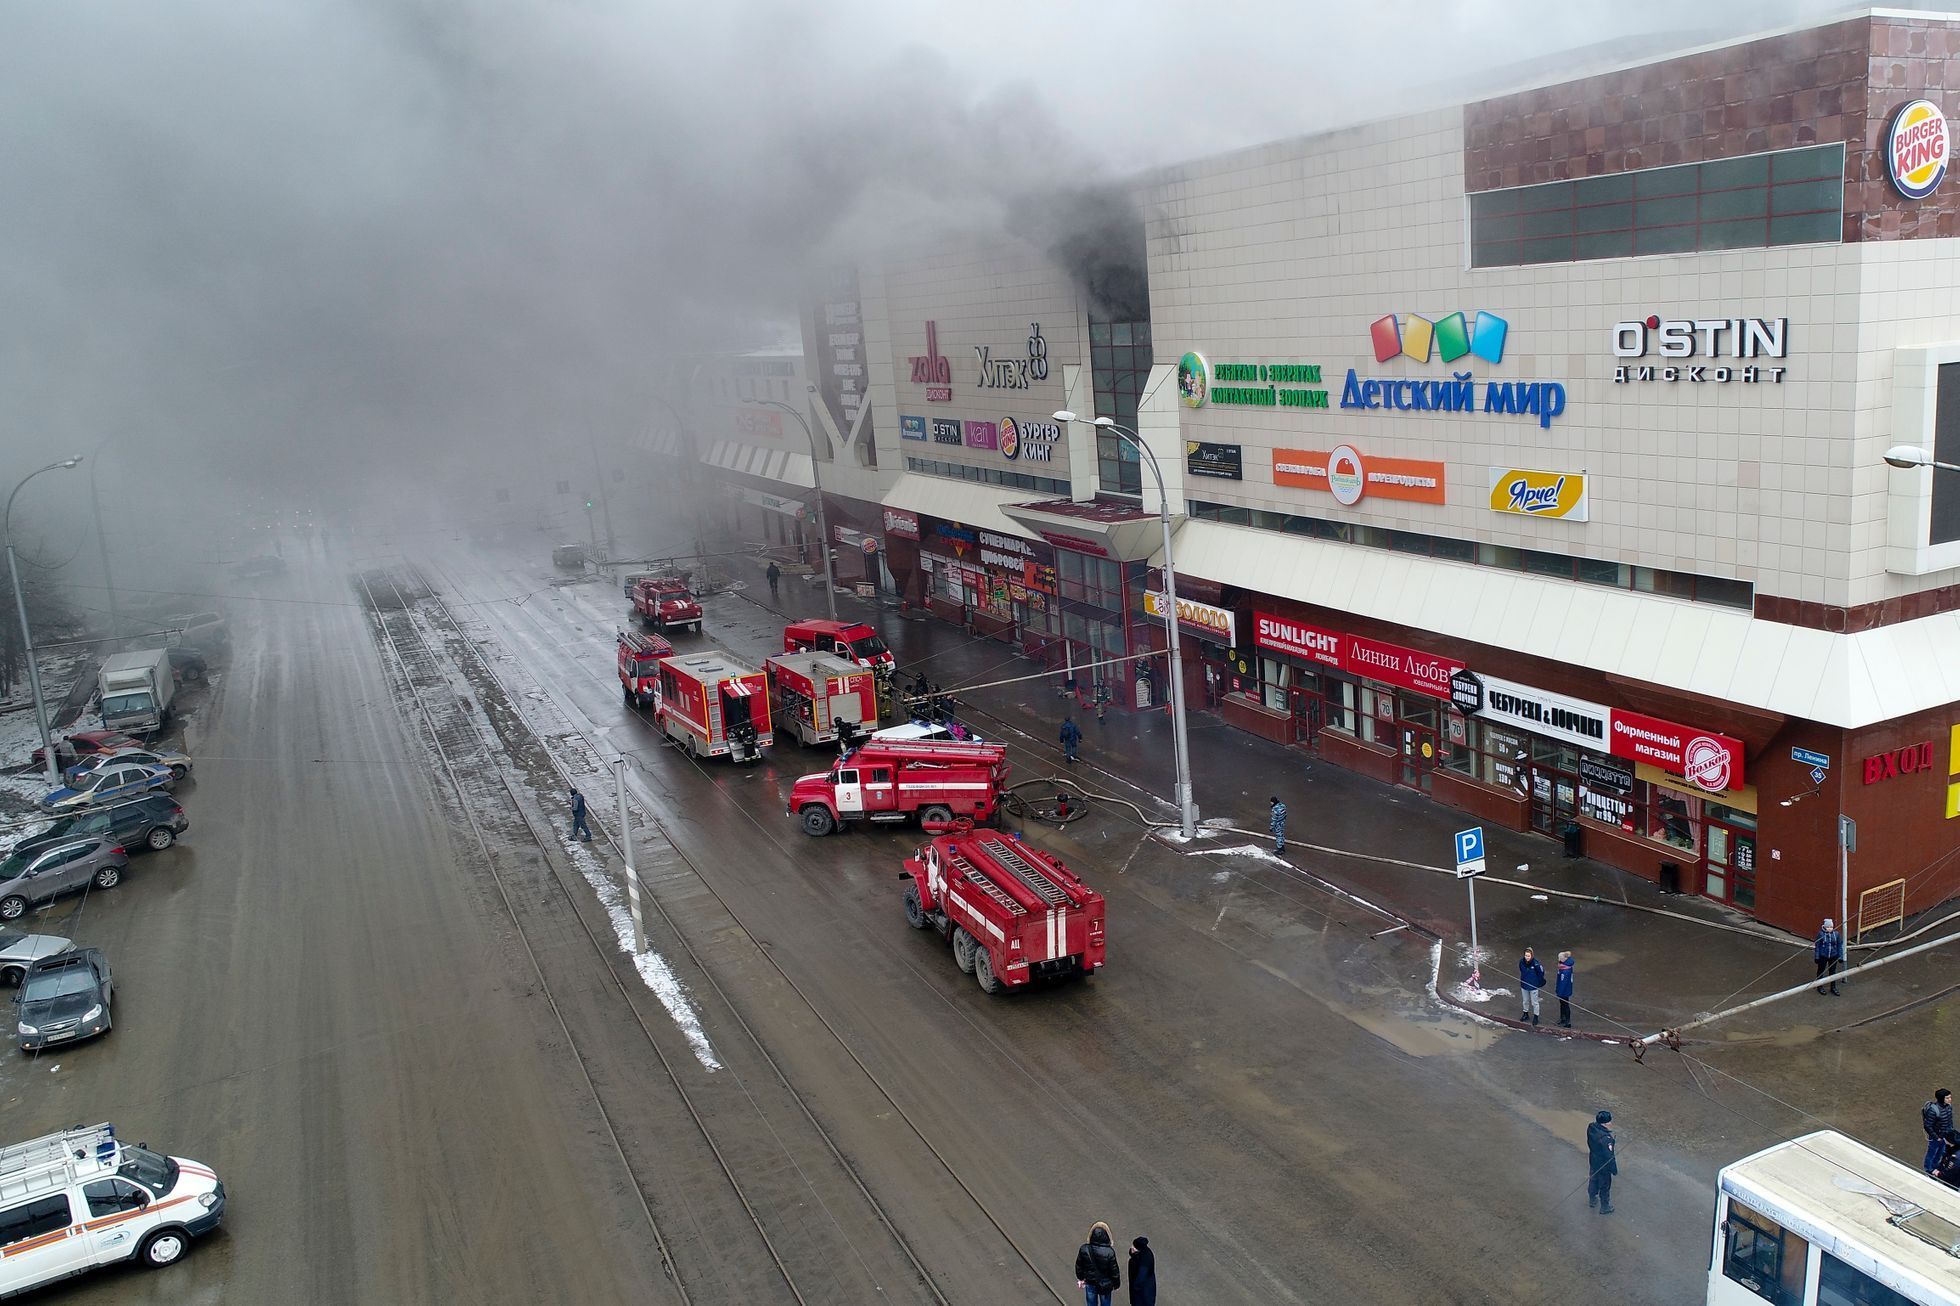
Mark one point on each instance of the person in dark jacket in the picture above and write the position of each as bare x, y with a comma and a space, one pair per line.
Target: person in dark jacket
1601, 1149
1531, 981
1071, 740
1143, 1273
1937, 1119
1563, 987
1096, 1272
775, 575
580, 830
1829, 952
1276, 822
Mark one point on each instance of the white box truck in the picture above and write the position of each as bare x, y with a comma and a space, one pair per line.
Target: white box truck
136, 691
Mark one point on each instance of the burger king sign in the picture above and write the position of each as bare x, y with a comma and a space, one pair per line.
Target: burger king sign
1917, 149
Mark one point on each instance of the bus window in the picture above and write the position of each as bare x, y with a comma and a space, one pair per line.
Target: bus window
1839, 1284
1764, 1257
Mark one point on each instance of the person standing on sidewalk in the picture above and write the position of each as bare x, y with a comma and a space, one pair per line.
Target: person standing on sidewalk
1143, 1273
1829, 952
1602, 1154
1937, 1118
1071, 739
580, 830
775, 575
1096, 1272
1562, 985
1276, 822
1531, 981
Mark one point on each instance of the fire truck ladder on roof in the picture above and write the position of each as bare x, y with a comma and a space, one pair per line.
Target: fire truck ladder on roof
48, 1163
1031, 875
979, 880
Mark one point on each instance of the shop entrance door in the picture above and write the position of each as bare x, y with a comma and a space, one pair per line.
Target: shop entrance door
1729, 873
1416, 726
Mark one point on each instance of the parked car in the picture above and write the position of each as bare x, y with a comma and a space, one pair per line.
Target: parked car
187, 664
208, 632
107, 784
18, 951
178, 764
64, 998
85, 743
150, 821
54, 869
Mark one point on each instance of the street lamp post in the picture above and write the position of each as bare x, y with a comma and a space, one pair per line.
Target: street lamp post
1187, 810
1906, 456
816, 482
26, 635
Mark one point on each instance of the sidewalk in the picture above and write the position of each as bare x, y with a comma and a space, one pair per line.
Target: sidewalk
1645, 960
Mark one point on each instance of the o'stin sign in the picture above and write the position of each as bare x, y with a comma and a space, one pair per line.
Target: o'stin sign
1917, 149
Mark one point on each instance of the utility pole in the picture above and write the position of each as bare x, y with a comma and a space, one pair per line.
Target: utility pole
102, 548
26, 635
605, 504
626, 851
816, 482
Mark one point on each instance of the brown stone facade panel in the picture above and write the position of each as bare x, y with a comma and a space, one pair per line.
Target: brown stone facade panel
1866, 616
1837, 83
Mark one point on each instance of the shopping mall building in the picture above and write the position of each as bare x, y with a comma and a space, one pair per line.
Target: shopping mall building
1527, 453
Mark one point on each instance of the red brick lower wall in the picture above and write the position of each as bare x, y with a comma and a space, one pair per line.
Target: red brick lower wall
993, 627
1371, 760
1642, 857
1256, 717
1488, 803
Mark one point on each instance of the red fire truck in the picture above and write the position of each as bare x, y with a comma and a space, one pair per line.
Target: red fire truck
887, 781
639, 667
851, 640
664, 603
714, 706
820, 698
1013, 913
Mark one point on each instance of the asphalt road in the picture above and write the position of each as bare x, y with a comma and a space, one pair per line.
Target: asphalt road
383, 997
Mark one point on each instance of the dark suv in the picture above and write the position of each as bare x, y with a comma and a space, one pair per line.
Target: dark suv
150, 821
64, 998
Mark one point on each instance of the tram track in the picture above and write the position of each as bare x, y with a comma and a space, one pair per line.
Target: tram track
825, 1233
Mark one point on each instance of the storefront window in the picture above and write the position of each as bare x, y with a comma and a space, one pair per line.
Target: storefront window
1274, 679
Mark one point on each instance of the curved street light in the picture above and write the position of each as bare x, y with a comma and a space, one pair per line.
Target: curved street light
1187, 810
1907, 456
816, 482
20, 606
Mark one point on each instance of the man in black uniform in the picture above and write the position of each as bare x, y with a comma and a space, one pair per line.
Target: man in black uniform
1600, 1147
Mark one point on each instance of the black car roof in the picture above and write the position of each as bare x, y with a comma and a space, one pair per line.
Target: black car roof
65, 960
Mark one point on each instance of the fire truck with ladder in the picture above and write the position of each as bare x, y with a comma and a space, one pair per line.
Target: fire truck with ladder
889, 780
1013, 913
820, 698
639, 667
663, 603
714, 706
851, 640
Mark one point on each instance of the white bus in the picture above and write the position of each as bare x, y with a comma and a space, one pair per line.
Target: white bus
1824, 1220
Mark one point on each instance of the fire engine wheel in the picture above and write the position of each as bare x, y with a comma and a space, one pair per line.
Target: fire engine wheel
937, 814
964, 949
627, 690
818, 822
915, 911
983, 972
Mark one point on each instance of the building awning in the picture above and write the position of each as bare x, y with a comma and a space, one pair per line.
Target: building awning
769, 502
1106, 528
1719, 653
978, 506
783, 466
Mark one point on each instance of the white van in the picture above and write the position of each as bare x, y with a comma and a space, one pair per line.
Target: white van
75, 1200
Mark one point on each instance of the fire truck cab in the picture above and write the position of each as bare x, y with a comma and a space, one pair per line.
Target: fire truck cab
714, 706
664, 603
851, 640
639, 667
1013, 913
887, 782
820, 698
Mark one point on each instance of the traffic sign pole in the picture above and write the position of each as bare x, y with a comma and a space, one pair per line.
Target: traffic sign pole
1476, 979
1469, 865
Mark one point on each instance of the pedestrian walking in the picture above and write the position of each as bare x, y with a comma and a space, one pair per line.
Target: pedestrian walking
1602, 1155
580, 830
1071, 739
1143, 1273
1937, 1118
1829, 952
1102, 699
1562, 985
1276, 822
1096, 1272
775, 575
1531, 982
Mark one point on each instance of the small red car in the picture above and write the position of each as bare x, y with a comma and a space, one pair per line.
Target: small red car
85, 743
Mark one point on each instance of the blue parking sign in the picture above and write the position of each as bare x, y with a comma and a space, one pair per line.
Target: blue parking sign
1470, 845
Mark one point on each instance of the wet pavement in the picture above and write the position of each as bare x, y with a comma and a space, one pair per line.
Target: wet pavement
382, 980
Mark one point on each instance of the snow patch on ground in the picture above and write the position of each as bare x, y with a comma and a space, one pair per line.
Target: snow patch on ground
1253, 851
1172, 834
1464, 991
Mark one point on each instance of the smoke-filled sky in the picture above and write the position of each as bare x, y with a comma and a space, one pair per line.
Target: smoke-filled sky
316, 248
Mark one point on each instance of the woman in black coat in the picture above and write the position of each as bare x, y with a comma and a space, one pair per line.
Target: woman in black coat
1143, 1273
1095, 1267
